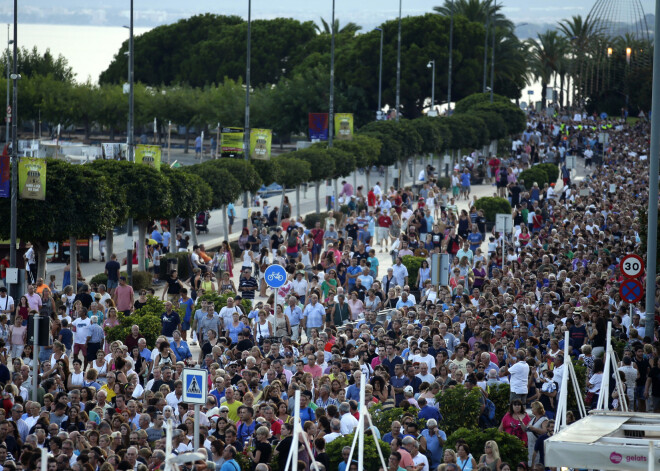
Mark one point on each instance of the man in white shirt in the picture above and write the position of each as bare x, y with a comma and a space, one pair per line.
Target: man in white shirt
348, 422
299, 286
335, 431
519, 372
227, 313
80, 334
175, 397
6, 303
377, 190
400, 273
424, 374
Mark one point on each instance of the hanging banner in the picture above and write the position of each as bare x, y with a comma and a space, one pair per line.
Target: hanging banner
32, 178
318, 126
260, 142
111, 150
344, 126
5, 167
148, 155
231, 142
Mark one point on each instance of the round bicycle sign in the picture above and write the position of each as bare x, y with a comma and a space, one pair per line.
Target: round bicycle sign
631, 290
632, 266
275, 276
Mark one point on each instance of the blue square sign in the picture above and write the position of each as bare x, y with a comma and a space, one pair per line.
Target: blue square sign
195, 385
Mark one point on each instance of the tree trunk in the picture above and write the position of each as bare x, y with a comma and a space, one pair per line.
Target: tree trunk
544, 89
298, 201
187, 141
73, 263
109, 243
193, 230
387, 179
368, 174
142, 234
317, 188
225, 223
41, 248
172, 235
335, 201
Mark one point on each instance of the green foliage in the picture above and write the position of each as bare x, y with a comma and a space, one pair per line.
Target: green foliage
182, 265
147, 317
190, 193
495, 124
321, 164
470, 102
140, 279
225, 185
100, 279
242, 170
371, 458
292, 171
444, 182
551, 170
499, 393
267, 170
512, 449
220, 301
533, 175
312, 218
382, 418
32, 63
492, 206
413, 264
459, 408
513, 116
581, 374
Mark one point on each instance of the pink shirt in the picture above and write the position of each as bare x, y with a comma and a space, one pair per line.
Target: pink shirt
34, 301
124, 295
315, 370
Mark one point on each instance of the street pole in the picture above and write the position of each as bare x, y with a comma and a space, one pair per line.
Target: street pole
169, 141
433, 84
14, 153
492, 60
451, 51
649, 324
398, 67
331, 109
246, 131
35, 356
196, 429
8, 65
130, 144
486, 49
380, 74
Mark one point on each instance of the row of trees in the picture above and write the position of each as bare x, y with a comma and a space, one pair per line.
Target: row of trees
94, 198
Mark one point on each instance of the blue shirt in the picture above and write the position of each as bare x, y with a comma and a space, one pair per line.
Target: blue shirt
182, 351
400, 303
294, 314
387, 438
155, 235
314, 313
307, 414
189, 303
427, 412
353, 271
390, 364
353, 392
67, 338
465, 179
166, 238
397, 382
230, 465
475, 239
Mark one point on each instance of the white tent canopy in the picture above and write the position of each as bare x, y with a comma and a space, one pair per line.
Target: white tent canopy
607, 440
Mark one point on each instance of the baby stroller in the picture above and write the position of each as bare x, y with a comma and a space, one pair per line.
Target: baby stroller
202, 222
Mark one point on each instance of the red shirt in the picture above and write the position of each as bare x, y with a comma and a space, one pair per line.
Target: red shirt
318, 236
371, 198
384, 221
4, 264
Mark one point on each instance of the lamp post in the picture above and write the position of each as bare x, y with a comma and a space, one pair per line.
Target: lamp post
398, 67
130, 143
331, 106
246, 131
451, 50
7, 121
492, 60
431, 65
652, 212
14, 151
379, 113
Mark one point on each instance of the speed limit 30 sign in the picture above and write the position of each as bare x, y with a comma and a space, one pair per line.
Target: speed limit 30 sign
632, 266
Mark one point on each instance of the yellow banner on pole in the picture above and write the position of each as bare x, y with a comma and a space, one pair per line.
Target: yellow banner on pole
344, 126
148, 155
32, 178
260, 142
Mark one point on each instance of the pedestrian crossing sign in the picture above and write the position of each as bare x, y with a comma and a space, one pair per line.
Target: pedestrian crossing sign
195, 385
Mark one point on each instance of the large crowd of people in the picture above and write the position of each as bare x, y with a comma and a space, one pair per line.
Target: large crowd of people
351, 311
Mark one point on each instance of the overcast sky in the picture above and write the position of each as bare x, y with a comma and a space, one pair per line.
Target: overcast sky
368, 13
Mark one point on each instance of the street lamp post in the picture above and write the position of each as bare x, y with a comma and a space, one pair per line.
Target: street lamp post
380, 76
492, 60
398, 67
431, 65
651, 274
9, 42
246, 131
130, 142
14, 151
451, 51
331, 106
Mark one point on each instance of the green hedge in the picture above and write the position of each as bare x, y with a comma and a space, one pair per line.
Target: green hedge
221, 301
492, 206
100, 279
312, 218
382, 418
141, 279
371, 458
444, 182
182, 265
459, 408
413, 264
148, 318
534, 175
552, 170
499, 394
512, 449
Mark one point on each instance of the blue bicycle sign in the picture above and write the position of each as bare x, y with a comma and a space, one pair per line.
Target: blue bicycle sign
275, 276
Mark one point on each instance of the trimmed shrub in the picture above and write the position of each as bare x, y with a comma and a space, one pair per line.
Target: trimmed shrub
459, 408
444, 182
182, 265
220, 301
141, 279
148, 318
512, 449
371, 458
499, 394
492, 206
413, 264
100, 279
534, 175
312, 218
382, 418
552, 170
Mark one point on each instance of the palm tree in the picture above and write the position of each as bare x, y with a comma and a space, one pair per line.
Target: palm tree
477, 11
511, 63
580, 32
547, 52
350, 27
